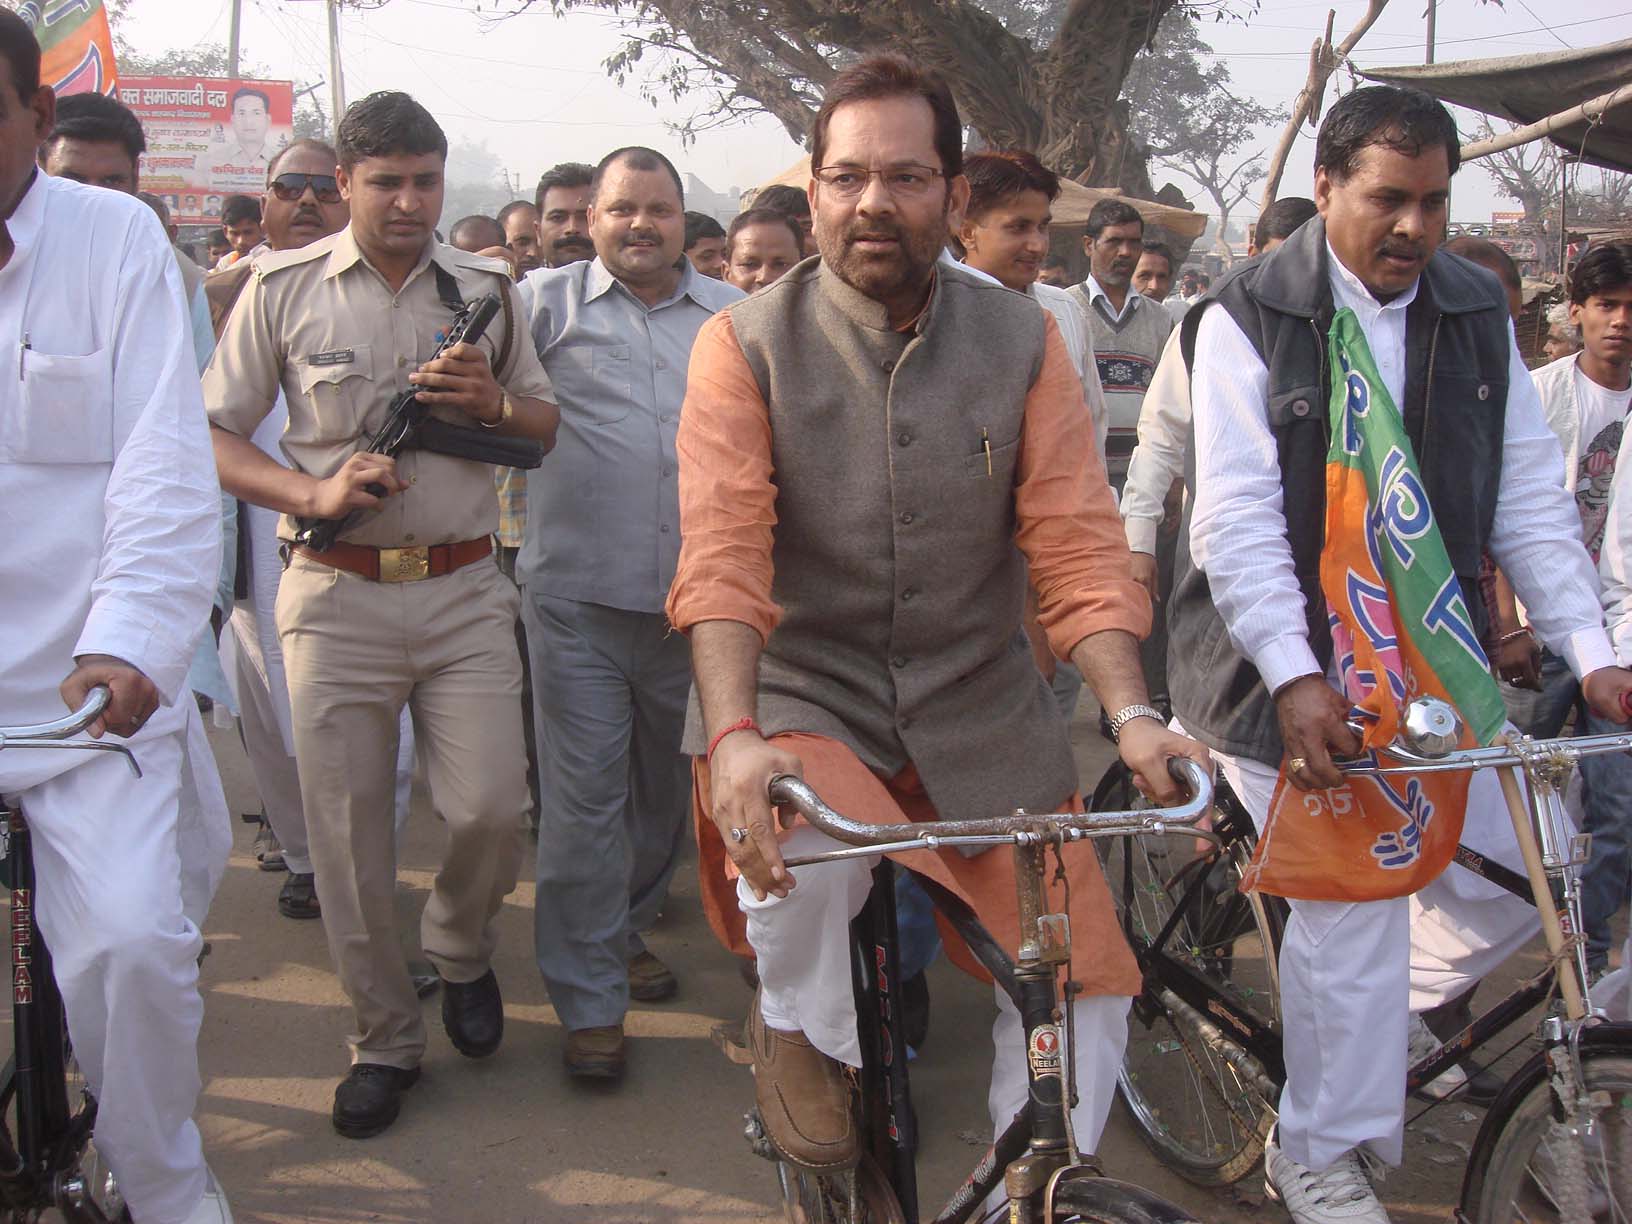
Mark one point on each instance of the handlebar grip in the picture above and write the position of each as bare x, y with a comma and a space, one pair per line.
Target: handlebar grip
95, 702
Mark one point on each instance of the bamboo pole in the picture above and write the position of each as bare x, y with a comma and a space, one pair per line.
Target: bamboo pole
1590, 109
1568, 988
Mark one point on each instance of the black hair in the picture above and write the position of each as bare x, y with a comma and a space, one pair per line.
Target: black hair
1605, 266
779, 197
567, 174
247, 92
239, 208
304, 142
1166, 252
21, 51
97, 117
1489, 256
764, 216
1053, 261
893, 76
997, 177
1282, 219
700, 226
636, 157
1112, 212
156, 204
1405, 120
465, 225
387, 124
509, 209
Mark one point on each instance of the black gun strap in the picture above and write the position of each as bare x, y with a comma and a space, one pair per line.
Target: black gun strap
447, 290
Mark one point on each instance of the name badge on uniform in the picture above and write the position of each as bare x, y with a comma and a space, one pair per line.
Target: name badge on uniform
332, 358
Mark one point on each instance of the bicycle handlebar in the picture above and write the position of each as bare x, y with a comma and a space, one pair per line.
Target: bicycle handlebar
59, 732
1023, 826
1431, 727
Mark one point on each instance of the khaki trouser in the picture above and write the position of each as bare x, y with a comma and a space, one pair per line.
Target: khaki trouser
355, 652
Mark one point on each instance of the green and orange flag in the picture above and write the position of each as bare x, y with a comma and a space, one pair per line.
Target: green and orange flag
1400, 630
76, 45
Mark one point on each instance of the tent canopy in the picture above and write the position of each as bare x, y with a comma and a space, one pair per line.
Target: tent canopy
1528, 88
1072, 208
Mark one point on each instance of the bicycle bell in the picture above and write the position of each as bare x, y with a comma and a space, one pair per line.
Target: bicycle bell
1431, 727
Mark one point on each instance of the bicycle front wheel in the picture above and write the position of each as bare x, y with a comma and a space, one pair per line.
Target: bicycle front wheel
1191, 1089
1529, 1166
1102, 1200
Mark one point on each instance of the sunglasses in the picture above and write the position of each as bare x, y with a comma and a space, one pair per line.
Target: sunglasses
290, 187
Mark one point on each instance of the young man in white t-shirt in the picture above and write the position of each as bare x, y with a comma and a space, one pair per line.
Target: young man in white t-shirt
1586, 397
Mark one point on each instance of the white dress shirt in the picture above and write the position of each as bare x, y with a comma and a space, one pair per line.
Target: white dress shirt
108, 496
1238, 528
1074, 331
1158, 460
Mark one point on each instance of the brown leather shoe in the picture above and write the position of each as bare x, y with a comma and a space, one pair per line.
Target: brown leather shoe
595, 1053
650, 980
803, 1098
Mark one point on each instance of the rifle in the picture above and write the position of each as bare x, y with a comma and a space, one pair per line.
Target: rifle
409, 425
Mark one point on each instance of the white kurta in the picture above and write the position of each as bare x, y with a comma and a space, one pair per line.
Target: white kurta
109, 509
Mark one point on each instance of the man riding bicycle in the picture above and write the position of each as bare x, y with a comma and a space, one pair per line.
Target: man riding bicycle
111, 520
873, 452
1253, 647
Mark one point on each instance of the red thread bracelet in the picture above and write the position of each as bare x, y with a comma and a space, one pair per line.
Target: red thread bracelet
742, 724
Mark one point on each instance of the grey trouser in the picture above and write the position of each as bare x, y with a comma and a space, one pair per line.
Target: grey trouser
610, 689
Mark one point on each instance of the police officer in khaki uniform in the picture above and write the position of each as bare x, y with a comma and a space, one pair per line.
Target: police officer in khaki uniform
408, 606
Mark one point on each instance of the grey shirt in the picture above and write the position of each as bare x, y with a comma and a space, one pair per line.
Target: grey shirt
603, 512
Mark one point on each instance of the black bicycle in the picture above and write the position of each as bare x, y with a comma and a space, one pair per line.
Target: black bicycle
1035, 1162
1203, 1068
47, 1112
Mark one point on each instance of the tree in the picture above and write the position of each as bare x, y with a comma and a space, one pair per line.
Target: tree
1191, 121
1045, 75
476, 183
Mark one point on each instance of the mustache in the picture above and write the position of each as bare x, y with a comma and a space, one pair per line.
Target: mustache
306, 213
872, 230
570, 242
1401, 250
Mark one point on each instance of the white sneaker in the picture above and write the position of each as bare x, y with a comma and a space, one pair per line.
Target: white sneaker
212, 1208
1420, 1044
1338, 1195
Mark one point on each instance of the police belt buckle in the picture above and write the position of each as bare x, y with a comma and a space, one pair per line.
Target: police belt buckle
404, 564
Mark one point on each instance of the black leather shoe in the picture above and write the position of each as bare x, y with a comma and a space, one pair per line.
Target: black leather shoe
369, 1098
473, 1014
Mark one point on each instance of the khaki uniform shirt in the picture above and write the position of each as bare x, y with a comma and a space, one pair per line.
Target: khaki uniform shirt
322, 324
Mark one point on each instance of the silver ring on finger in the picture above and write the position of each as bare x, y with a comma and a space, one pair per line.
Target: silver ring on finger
739, 835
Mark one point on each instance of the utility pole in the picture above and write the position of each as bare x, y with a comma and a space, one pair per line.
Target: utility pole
1433, 12
232, 38
337, 84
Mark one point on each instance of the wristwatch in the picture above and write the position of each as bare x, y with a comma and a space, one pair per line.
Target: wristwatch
506, 411
1127, 714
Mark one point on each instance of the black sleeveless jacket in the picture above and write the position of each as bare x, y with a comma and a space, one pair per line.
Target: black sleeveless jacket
1457, 338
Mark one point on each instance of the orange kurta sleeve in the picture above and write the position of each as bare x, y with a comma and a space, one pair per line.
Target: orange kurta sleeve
727, 500
1068, 525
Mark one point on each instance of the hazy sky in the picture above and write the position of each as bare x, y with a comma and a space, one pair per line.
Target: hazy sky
533, 90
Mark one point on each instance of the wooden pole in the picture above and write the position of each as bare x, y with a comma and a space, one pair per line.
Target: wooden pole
1324, 59
1569, 989
1590, 109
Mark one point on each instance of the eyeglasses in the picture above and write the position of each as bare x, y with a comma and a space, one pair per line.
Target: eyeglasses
290, 187
903, 182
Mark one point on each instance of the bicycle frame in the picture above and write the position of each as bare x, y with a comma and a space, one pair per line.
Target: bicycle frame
1037, 1148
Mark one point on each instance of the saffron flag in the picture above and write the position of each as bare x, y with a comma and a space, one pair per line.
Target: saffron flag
1400, 630
76, 45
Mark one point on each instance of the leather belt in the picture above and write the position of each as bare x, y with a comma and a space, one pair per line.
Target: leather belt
401, 564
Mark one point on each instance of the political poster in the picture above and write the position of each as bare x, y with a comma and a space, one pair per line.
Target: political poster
76, 45
208, 138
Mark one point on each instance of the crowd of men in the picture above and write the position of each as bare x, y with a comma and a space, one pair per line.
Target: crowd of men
799, 487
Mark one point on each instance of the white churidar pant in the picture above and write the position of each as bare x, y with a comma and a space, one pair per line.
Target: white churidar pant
1351, 973
802, 942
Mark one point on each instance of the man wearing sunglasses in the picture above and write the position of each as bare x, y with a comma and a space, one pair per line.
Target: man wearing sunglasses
302, 204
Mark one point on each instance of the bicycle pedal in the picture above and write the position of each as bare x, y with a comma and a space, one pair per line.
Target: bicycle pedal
728, 1037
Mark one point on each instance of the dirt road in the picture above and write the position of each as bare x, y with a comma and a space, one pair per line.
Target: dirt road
510, 1140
